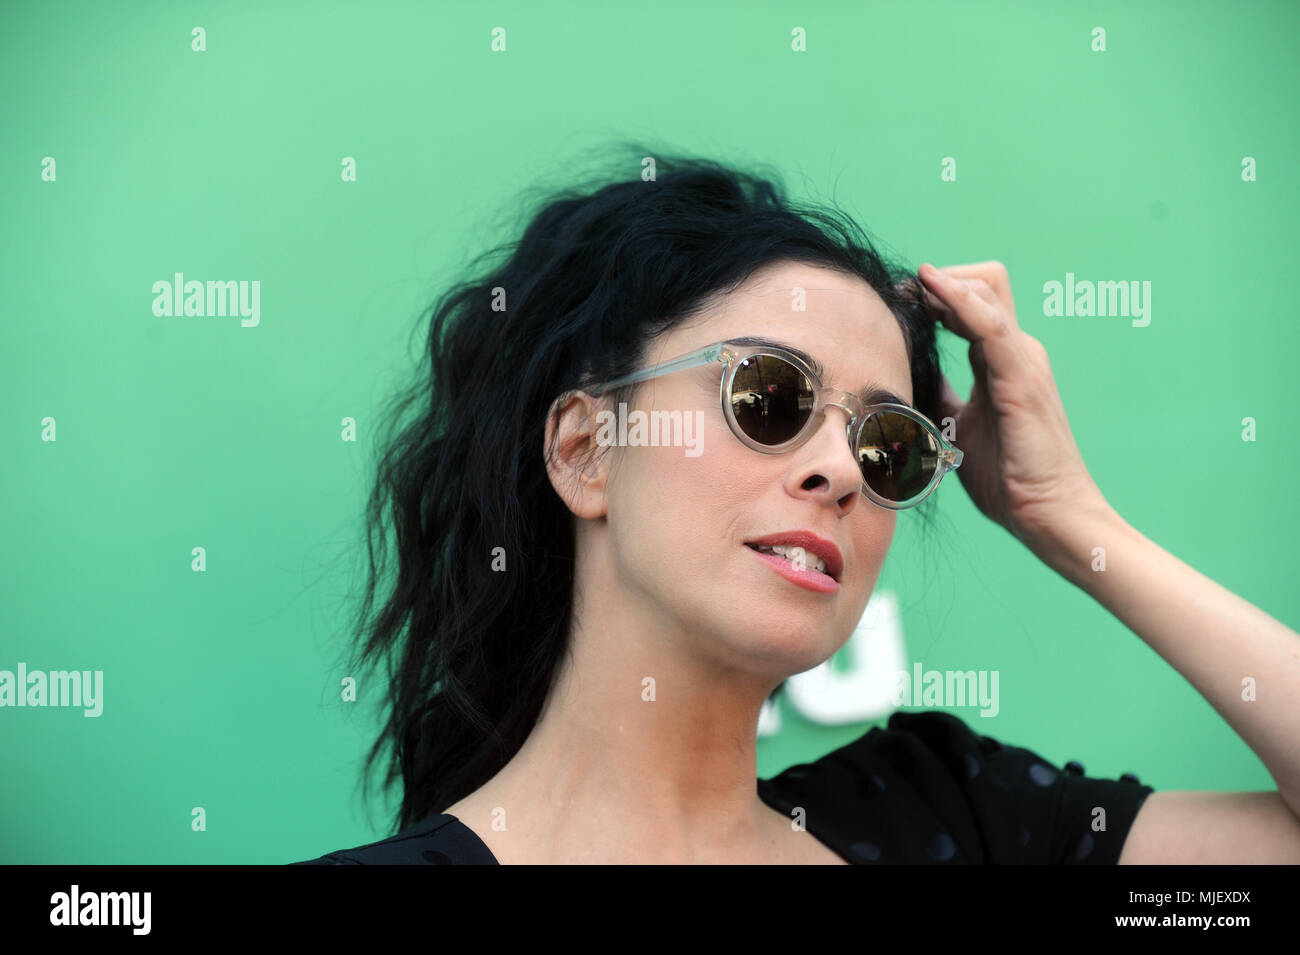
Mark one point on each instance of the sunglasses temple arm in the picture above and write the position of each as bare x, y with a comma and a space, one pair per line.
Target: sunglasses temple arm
694, 360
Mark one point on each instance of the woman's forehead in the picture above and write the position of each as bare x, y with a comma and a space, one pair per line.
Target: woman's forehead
848, 341
820, 310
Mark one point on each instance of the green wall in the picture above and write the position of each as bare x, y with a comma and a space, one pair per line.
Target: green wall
221, 687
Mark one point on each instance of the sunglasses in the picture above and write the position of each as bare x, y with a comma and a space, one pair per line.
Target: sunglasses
773, 402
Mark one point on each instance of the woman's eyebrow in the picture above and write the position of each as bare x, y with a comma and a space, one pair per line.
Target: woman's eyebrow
871, 394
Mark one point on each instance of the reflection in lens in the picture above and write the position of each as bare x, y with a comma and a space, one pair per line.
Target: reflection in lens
898, 457
770, 398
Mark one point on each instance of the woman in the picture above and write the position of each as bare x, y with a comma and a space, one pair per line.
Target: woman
587, 618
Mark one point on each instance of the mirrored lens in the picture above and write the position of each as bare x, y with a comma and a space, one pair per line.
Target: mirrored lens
897, 455
771, 398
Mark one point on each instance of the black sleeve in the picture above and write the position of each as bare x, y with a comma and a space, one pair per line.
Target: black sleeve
439, 839
1017, 805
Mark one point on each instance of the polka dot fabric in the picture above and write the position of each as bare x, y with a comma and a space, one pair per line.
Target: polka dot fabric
929, 790
438, 840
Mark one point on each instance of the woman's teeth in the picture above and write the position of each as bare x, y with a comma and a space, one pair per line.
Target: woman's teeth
795, 555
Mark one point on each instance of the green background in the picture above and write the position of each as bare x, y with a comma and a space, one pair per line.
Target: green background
221, 688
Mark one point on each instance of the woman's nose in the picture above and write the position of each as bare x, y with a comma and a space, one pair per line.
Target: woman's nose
828, 465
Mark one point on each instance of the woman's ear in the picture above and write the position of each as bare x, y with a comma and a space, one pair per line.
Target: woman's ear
576, 463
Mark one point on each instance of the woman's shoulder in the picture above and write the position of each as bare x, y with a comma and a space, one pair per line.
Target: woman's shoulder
439, 839
928, 788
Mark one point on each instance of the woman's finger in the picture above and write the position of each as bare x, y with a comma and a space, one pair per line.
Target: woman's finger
941, 309
932, 301
976, 320
981, 288
984, 291
995, 275
979, 391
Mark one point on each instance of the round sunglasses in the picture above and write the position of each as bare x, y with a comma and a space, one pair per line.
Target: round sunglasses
774, 401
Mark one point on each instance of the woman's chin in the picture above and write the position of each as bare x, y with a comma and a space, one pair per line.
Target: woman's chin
789, 648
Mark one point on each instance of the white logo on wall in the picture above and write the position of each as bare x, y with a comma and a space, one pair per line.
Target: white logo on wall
878, 680
866, 690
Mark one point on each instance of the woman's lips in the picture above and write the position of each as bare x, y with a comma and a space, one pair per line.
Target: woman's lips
810, 543
810, 579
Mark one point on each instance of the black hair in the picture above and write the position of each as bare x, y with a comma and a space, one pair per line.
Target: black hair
598, 272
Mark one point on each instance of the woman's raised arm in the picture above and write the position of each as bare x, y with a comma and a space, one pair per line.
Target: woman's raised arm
1023, 470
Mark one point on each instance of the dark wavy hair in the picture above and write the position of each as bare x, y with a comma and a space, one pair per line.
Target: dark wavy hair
598, 272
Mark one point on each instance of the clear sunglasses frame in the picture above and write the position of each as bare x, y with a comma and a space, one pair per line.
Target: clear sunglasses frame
733, 354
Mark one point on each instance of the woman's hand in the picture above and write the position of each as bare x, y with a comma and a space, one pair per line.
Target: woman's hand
1022, 467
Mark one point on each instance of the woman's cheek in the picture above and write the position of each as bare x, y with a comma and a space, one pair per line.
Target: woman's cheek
872, 549
658, 513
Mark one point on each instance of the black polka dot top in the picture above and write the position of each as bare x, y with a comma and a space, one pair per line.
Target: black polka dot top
928, 790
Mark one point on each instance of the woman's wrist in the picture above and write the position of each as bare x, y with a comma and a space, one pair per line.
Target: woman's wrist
1078, 541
